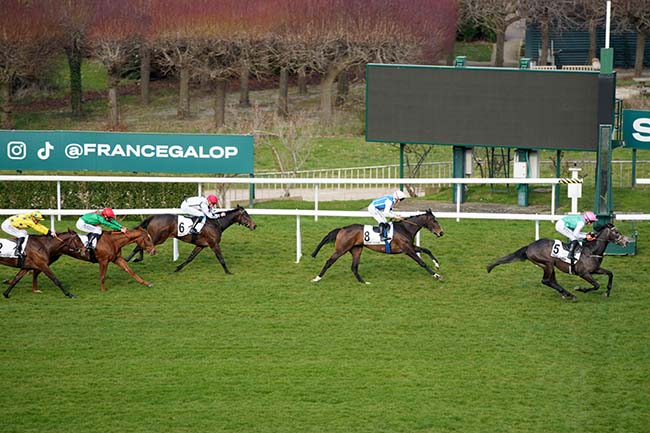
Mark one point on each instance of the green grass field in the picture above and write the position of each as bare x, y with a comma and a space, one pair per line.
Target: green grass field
266, 350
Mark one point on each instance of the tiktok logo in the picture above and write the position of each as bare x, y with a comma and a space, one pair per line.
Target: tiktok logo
44, 153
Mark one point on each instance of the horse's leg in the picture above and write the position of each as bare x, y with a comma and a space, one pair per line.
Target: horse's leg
428, 253
121, 262
595, 283
12, 283
549, 280
217, 252
333, 258
135, 251
356, 256
35, 288
103, 267
197, 249
412, 254
47, 271
19, 275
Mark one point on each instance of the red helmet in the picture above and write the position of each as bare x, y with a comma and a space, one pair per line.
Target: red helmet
212, 199
107, 212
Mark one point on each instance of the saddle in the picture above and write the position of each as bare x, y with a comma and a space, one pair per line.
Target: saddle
184, 225
8, 248
560, 250
372, 234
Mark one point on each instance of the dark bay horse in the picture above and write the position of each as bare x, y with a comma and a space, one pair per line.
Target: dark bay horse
39, 253
163, 227
351, 239
539, 252
109, 249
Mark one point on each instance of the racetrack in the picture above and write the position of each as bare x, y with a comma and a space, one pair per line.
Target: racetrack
266, 350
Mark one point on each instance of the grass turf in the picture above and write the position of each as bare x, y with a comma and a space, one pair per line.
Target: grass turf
265, 350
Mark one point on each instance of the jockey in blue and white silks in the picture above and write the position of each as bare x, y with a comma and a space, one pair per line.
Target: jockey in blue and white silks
382, 207
571, 226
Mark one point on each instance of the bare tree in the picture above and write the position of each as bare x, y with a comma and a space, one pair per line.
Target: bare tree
495, 15
548, 14
588, 15
27, 44
635, 16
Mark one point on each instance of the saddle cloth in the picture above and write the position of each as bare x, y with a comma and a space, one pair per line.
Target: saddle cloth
8, 248
184, 224
84, 239
560, 251
371, 235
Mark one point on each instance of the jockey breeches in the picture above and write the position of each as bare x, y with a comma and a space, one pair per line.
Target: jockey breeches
88, 228
13, 231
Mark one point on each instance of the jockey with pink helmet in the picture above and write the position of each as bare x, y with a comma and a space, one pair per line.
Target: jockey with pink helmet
200, 207
571, 226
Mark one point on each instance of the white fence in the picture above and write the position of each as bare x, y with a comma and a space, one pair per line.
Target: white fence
458, 215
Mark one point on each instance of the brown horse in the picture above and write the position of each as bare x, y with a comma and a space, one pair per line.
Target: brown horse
351, 239
163, 227
539, 252
109, 249
39, 253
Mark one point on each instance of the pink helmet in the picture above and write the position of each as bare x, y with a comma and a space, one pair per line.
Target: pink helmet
212, 199
589, 217
107, 212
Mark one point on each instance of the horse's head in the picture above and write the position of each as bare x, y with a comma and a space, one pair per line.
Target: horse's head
144, 241
610, 233
72, 243
244, 219
431, 223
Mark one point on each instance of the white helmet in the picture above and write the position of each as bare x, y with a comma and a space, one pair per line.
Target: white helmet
399, 195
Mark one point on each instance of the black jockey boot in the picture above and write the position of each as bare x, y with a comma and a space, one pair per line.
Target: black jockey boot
383, 229
193, 229
572, 253
19, 244
91, 236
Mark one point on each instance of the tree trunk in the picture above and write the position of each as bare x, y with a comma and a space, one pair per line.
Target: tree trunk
113, 108
342, 88
501, 40
145, 73
302, 81
592, 40
219, 103
283, 95
184, 93
638, 58
6, 121
244, 87
449, 60
326, 84
546, 36
73, 52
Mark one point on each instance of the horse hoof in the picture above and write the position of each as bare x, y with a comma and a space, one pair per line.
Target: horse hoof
366, 282
149, 284
438, 277
70, 295
6, 282
5, 295
137, 260
570, 298
316, 279
36, 291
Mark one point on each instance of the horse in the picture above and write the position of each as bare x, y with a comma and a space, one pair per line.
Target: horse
108, 249
539, 252
39, 251
351, 239
161, 227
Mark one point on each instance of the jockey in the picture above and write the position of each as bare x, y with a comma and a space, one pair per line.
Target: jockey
202, 207
382, 207
571, 227
17, 226
92, 223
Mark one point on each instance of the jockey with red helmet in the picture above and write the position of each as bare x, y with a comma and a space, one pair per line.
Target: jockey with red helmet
201, 207
92, 223
571, 227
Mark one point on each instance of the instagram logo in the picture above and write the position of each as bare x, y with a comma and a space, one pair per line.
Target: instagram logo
16, 150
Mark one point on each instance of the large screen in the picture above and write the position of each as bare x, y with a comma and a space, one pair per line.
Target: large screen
498, 107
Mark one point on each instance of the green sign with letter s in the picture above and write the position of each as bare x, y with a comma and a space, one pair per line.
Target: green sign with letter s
636, 129
135, 152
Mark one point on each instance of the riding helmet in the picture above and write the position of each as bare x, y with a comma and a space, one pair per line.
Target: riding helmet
107, 212
212, 199
589, 217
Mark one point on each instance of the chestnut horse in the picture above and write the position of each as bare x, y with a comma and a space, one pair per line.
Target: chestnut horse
351, 239
163, 227
109, 249
539, 252
39, 253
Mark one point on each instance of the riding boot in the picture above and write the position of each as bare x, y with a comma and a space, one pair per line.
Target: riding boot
572, 252
91, 237
193, 229
383, 229
19, 244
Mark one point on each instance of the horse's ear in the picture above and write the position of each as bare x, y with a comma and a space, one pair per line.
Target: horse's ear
70, 231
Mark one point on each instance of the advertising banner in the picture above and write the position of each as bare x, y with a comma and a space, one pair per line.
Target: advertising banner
636, 129
127, 152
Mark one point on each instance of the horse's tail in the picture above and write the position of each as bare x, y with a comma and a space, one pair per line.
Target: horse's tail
520, 254
330, 237
144, 224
